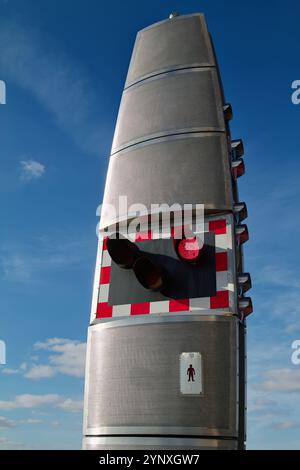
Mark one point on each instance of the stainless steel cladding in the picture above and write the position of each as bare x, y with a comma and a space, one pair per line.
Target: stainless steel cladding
184, 169
168, 104
133, 376
169, 443
181, 43
170, 117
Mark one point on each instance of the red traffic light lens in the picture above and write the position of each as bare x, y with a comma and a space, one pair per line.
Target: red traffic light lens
189, 249
149, 274
122, 251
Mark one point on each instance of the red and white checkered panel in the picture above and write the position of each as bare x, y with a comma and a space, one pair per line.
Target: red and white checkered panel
221, 303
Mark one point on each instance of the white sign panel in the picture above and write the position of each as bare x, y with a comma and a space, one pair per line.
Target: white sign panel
191, 373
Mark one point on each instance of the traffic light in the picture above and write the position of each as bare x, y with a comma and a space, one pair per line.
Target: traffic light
122, 251
151, 275
152, 269
126, 255
190, 249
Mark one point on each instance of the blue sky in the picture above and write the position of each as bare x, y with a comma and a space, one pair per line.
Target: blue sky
64, 64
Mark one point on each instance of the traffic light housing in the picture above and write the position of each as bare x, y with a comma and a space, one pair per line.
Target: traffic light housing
156, 269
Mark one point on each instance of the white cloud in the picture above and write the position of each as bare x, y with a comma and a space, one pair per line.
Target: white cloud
20, 369
68, 357
6, 423
40, 372
29, 401
9, 371
281, 380
31, 170
50, 342
73, 406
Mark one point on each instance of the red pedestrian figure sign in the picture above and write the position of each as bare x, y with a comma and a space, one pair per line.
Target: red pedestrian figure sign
191, 373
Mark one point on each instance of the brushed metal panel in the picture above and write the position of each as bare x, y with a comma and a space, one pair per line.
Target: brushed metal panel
130, 443
133, 375
190, 169
172, 103
181, 42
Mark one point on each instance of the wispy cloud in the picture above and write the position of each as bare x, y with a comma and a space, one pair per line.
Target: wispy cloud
30, 421
28, 263
72, 406
9, 423
278, 275
16, 267
6, 423
261, 404
9, 371
281, 307
55, 424
6, 443
283, 380
41, 371
29, 401
31, 170
285, 425
58, 82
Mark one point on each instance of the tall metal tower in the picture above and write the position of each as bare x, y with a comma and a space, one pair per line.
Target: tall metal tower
166, 342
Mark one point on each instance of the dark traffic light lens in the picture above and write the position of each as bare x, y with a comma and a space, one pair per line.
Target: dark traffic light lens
149, 274
189, 249
122, 251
